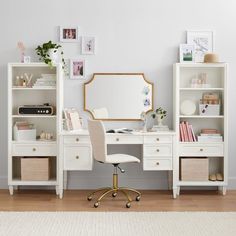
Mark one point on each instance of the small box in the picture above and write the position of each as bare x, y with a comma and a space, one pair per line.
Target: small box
209, 109
35, 169
194, 169
24, 134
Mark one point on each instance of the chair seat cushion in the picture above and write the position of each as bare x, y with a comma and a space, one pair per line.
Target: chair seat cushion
121, 158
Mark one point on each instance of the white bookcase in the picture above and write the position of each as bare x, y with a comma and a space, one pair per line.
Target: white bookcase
216, 152
18, 96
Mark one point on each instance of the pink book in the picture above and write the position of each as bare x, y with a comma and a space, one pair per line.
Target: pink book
189, 133
192, 132
181, 135
185, 132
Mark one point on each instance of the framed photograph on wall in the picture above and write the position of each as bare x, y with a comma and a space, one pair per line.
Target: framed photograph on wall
69, 34
203, 42
88, 45
186, 53
77, 68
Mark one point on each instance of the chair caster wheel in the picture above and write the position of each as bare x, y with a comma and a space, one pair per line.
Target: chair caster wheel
96, 204
89, 198
128, 205
114, 194
138, 198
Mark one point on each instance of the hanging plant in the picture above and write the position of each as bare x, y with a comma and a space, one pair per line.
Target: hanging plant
46, 50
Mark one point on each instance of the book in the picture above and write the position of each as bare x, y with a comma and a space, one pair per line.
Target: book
190, 138
192, 132
210, 138
185, 132
181, 133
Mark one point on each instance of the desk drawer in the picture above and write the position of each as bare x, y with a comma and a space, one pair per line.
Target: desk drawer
157, 164
124, 139
152, 139
158, 150
34, 149
76, 139
201, 149
78, 158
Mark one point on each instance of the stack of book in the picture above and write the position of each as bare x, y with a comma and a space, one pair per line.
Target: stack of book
186, 132
45, 81
210, 135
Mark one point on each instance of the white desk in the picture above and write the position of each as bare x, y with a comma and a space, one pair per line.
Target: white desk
76, 152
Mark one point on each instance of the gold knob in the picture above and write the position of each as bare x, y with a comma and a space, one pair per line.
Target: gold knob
77, 157
201, 150
158, 150
117, 139
34, 149
158, 139
77, 140
157, 163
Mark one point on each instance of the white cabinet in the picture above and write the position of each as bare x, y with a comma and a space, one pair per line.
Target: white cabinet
208, 78
19, 94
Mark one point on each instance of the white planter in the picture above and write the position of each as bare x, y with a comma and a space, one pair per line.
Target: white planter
159, 120
53, 55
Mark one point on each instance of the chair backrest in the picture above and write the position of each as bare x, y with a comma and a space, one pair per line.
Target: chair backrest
97, 136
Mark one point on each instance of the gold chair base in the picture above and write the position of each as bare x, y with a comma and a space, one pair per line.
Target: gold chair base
114, 192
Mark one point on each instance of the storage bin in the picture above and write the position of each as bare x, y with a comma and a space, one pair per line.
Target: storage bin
24, 135
194, 169
35, 169
209, 109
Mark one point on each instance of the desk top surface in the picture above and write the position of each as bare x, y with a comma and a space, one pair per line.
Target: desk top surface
134, 133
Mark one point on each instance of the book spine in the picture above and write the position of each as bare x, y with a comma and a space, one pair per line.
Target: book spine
185, 132
181, 135
193, 135
190, 138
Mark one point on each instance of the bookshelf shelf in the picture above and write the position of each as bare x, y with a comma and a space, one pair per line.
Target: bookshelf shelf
50, 124
195, 125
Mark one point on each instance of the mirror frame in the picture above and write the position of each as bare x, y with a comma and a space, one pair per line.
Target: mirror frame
114, 119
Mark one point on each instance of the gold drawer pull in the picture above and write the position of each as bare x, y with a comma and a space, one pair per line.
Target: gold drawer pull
158, 150
201, 150
34, 149
117, 139
77, 139
158, 139
157, 163
77, 157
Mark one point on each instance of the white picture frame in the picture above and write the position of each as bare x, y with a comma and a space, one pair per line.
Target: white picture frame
186, 53
203, 41
69, 34
77, 68
88, 45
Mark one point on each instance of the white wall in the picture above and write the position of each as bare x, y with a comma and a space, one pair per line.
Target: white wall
132, 36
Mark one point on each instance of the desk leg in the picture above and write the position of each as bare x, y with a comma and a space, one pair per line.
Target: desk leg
65, 180
175, 191
170, 179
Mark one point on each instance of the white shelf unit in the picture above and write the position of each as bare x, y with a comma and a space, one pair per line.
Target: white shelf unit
217, 152
18, 96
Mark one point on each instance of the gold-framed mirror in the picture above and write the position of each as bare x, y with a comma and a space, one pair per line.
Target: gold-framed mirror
118, 96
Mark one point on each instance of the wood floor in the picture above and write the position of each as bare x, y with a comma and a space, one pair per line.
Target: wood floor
75, 200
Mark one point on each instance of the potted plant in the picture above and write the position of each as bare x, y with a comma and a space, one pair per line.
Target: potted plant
48, 53
160, 114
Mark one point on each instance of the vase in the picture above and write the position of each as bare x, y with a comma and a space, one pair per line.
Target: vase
159, 120
53, 54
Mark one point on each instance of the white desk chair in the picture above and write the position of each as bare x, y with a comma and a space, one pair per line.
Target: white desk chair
98, 139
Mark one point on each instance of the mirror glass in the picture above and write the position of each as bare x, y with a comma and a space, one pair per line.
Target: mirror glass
118, 96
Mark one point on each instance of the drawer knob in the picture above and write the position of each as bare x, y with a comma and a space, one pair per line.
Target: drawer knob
34, 149
201, 150
117, 139
158, 139
157, 163
77, 157
77, 139
158, 150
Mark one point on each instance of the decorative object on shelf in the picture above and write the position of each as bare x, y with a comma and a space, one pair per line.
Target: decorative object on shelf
46, 81
160, 114
21, 47
77, 68
24, 131
69, 34
186, 53
27, 59
44, 136
88, 45
72, 119
199, 81
23, 81
143, 117
49, 53
187, 107
209, 105
211, 58
210, 135
203, 42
